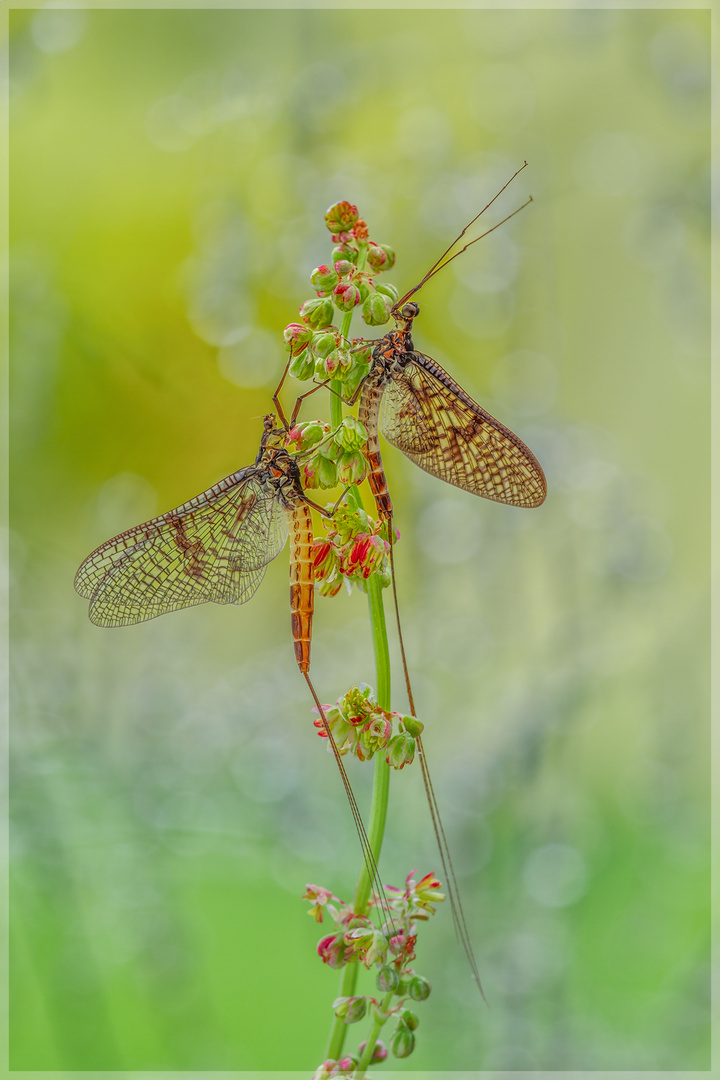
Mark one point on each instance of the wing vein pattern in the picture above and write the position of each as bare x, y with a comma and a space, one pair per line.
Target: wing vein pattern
434, 422
214, 548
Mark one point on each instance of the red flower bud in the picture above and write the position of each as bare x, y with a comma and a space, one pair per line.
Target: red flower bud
324, 279
296, 337
343, 267
346, 296
341, 217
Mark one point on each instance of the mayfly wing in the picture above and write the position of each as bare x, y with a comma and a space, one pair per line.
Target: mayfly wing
435, 423
213, 548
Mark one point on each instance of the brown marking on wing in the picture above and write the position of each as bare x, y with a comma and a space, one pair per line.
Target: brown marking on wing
428, 416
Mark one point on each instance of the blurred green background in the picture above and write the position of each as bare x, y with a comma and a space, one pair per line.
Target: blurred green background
169, 174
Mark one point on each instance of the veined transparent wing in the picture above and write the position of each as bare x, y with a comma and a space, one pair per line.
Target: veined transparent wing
214, 548
435, 423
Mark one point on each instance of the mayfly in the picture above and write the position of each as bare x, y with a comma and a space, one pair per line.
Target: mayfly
422, 411
215, 548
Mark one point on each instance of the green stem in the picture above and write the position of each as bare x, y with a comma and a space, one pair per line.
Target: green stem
381, 783
373, 1037
380, 794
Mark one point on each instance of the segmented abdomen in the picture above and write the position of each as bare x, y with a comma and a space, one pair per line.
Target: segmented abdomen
301, 582
368, 414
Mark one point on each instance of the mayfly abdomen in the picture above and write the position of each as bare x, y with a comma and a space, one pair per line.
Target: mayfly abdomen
368, 412
301, 582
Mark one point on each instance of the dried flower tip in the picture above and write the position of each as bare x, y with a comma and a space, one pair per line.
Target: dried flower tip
360, 230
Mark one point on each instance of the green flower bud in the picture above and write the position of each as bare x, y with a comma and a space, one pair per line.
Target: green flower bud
412, 725
346, 296
345, 251
388, 290
343, 268
350, 1009
400, 750
317, 313
357, 373
402, 1043
380, 257
376, 309
364, 289
323, 343
419, 988
323, 279
387, 979
352, 467
341, 217
326, 472
330, 364
351, 434
312, 431
408, 1017
302, 366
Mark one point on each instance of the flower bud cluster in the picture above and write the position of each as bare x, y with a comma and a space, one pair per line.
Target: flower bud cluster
356, 940
355, 547
359, 726
317, 349
333, 457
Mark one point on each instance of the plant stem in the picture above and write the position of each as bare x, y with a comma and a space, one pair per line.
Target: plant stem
373, 1037
381, 783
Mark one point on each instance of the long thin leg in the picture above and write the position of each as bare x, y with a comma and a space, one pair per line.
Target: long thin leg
276, 397
456, 907
368, 855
